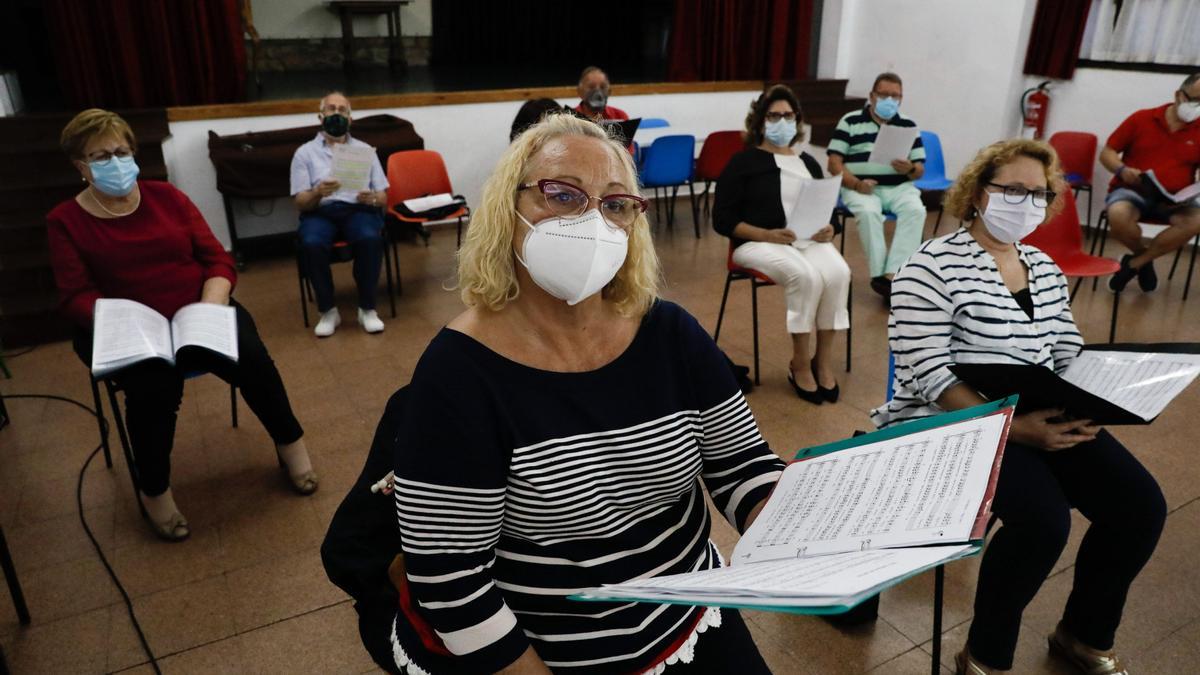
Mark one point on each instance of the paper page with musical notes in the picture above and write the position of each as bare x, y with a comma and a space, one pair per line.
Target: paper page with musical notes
1141, 382
921, 488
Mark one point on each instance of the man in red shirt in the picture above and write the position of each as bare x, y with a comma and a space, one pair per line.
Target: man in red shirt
1166, 141
593, 94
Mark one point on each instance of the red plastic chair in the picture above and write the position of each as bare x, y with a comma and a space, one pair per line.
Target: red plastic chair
757, 279
1062, 240
718, 147
418, 173
1077, 154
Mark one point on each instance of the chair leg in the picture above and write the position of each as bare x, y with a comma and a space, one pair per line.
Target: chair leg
1174, 263
1191, 266
939, 583
14, 585
695, 209
754, 320
1103, 241
849, 321
233, 405
123, 434
458, 236
100, 422
937, 224
657, 207
1088, 188
387, 266
303, 290
721, 313
671, 207
1112, 327
1075, 290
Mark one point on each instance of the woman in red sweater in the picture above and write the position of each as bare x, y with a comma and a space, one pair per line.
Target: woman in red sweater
146, 241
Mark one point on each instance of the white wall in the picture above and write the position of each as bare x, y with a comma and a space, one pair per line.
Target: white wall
276, 19
1097, 101
961, 62
469, 137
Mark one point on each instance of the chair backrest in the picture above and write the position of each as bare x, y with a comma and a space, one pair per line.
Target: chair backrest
653, 123
718, 147
935, 162
1077, 153
416, 173
891, 375
668, 161
1062, 234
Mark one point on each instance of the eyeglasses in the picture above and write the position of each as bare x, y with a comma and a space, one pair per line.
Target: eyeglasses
568, 201
105, 156
1015, 194
776, 116
1191, 99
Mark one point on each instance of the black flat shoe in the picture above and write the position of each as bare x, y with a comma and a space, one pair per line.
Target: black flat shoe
1122, 277
1147, 277
813, 397
829, 395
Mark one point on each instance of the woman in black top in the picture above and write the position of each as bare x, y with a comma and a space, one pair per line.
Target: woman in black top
560, 434
753, 192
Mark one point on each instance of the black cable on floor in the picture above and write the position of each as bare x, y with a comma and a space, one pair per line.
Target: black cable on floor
17, 352
137, 627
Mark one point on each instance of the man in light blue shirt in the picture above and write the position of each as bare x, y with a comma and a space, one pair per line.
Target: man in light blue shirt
329, 213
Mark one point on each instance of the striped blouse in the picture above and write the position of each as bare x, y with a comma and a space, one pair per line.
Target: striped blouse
516, 487
950, 305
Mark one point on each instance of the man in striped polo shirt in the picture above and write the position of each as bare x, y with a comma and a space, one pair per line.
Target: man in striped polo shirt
870, 189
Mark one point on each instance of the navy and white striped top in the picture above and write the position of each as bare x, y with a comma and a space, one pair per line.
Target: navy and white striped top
516, 487
950, 305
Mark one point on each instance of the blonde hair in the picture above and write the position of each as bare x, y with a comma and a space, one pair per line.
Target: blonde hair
486, 263
960, 198
89, 124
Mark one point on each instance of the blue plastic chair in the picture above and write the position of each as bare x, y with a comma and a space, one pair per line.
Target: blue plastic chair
653, 123
935, 179
891, 376
668, 163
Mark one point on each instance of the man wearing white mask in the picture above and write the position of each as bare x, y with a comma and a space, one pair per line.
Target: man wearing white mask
593, 96
1164, 140
869, 190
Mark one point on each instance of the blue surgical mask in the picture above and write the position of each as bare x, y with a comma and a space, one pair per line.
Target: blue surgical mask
115, 176
887, 108
780, 132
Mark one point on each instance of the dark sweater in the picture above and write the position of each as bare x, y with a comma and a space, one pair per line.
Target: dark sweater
748, 192
516, 487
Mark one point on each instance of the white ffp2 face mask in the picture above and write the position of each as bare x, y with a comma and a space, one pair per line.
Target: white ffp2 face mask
1011, 223
1188, 112
573, 259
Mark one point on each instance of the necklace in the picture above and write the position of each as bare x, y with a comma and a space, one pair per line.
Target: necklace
97, 202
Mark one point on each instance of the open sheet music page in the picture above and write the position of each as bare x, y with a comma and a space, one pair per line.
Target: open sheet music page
352, 167
823, 580
1188, 193
204, 324
813, 206
1141, 382
124, 332
922, 488
892, 143
422, 204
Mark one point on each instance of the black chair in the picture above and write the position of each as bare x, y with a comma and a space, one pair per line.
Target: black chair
112, 388
342, 252
757, 280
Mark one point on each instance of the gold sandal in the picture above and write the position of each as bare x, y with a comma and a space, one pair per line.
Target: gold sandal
174, 530
1088, 660
305, 484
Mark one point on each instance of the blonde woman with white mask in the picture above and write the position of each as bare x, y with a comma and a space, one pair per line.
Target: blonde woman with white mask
980, 296
559, 435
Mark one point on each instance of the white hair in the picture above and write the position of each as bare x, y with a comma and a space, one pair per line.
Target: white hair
321, 103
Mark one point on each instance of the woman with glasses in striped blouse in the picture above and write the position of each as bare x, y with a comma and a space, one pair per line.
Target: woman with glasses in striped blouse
980, 296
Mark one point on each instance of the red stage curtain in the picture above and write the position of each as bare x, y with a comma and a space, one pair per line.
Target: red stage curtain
147, 53
740, 40
1057, 33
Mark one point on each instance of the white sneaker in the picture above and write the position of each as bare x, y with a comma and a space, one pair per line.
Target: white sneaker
370, 321
329, 322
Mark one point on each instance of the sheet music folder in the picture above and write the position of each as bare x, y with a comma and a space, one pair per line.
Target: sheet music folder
1040, 388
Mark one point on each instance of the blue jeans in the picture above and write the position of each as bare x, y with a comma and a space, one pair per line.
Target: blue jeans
1155, 209
359, 225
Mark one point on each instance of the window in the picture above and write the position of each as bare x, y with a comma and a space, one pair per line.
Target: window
1142, 34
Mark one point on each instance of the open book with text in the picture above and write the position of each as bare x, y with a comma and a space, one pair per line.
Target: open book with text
849, 519
1107, 384
127, 332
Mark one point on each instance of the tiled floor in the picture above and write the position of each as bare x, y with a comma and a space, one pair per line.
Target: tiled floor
247, 593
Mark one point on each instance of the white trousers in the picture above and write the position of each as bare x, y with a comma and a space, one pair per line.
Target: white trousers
815, 281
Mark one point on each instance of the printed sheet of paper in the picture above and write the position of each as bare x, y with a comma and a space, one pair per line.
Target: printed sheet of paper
421, 204
1142, 383
125, 331
352, 167
813, 206
892, 143
815, 581
921, 488
1186, 194
204, 324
